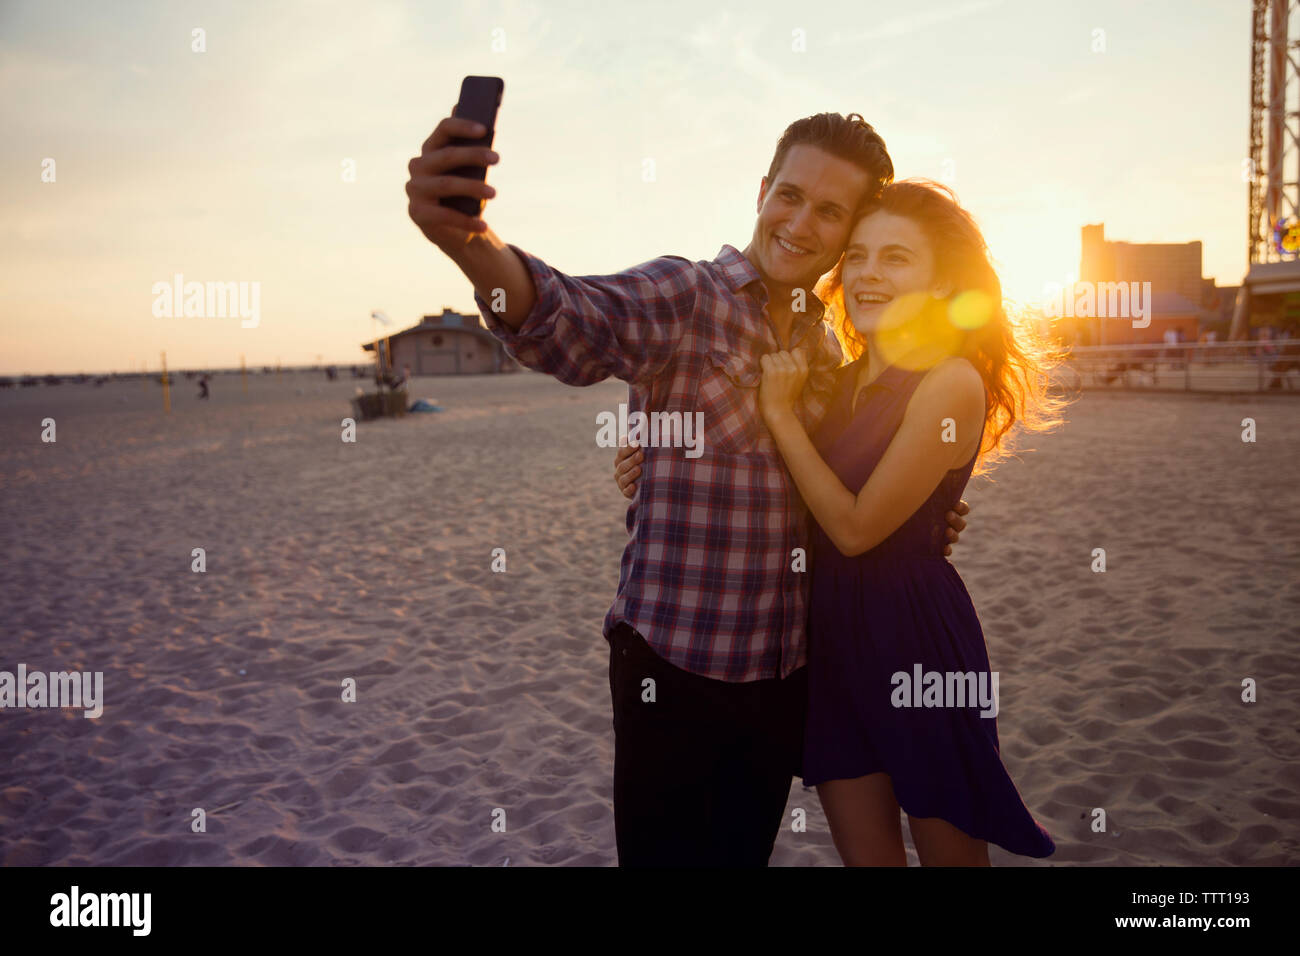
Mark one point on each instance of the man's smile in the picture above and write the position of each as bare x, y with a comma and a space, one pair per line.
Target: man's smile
791, 248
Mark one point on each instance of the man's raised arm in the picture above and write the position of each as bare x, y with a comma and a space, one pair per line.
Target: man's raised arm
499, 277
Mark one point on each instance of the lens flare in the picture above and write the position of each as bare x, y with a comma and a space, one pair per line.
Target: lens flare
916, 333
971, 309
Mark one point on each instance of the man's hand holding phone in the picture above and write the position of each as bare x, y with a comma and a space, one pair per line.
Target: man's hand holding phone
432, 180
446, 193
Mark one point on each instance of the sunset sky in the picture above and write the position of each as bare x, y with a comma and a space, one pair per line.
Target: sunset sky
226, 165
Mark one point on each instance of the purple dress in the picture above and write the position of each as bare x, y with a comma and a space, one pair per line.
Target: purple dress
886, 611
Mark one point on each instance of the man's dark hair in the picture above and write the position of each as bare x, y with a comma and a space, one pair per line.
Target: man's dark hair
852, 139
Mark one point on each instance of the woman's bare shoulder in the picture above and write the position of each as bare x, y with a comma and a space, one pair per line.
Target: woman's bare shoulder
953, 382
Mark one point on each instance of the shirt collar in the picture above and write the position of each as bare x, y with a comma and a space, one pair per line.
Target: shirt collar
735, 268
739, 272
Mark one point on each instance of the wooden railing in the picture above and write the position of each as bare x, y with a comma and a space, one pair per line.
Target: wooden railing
1272, 366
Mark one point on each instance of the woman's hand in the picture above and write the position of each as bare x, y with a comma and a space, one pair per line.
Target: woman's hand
783, 376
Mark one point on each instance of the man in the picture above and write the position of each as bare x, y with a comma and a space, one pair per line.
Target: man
707, 649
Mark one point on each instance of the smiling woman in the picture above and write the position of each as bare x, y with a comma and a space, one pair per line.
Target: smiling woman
917, 279
939, 374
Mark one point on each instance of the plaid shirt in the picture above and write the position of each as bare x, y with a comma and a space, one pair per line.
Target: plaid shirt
707, 574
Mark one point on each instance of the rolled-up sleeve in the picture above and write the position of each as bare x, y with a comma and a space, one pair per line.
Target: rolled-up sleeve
584, 329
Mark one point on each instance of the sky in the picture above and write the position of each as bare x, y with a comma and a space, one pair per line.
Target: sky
230, 164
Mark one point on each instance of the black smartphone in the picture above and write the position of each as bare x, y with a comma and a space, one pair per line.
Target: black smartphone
480, 97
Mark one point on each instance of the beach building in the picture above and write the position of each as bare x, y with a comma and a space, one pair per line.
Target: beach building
446, 344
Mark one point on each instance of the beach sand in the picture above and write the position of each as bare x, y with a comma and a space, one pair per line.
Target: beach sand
478, 690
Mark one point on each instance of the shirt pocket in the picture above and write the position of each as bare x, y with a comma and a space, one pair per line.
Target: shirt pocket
742, 371
728, 397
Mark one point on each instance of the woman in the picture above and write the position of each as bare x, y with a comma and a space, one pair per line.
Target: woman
902, 702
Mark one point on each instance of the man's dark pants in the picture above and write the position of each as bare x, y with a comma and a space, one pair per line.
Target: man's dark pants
701, 774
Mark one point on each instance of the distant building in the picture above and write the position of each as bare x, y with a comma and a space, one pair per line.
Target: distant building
1168, 266
1181, 299
1272, 306
446, 344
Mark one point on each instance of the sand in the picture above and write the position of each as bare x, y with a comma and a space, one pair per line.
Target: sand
479, 690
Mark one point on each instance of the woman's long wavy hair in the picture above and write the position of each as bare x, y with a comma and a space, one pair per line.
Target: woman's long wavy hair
1012, 358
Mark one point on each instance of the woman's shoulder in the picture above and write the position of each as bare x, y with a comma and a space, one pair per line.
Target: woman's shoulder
953, 382
954, 370
951, 390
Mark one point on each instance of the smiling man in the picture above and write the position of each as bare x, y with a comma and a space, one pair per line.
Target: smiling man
712, 588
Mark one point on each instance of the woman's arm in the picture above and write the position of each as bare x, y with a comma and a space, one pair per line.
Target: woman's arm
630, 458
912, 466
